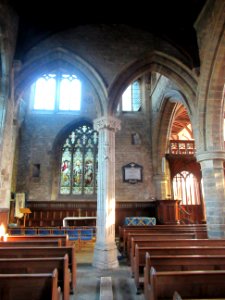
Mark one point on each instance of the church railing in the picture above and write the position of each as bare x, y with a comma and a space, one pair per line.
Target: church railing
182, 147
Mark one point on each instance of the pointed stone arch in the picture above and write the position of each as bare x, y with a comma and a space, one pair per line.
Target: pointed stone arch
66, 60
211, 83
56, 151
163, 125
158, 62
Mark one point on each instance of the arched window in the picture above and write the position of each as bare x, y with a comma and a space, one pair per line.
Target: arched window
79, 165
131, 98
57, 92
186, 188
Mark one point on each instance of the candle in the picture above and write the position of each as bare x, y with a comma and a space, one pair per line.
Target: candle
5, 237
2, 232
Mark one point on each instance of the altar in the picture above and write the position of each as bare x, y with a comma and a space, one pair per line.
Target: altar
84, 219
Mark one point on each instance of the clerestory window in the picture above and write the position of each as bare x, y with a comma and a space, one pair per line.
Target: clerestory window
131, 98
79, 163
59, 91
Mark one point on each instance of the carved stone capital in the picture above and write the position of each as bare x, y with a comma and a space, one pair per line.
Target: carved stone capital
107, 122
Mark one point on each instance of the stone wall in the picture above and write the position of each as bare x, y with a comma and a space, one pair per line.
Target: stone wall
40, 134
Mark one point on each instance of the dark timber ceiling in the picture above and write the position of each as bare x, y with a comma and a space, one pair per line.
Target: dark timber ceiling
169, 19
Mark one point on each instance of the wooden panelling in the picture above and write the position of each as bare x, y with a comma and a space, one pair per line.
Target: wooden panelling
168, 212
52, 213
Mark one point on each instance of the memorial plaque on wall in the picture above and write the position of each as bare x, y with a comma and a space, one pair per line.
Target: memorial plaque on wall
132, 173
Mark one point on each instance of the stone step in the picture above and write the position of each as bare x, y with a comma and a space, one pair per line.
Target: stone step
106, 292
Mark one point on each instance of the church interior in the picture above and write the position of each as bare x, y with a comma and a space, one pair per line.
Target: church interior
109, 126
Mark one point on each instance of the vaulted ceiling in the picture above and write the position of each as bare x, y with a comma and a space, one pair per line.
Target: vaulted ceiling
169, 19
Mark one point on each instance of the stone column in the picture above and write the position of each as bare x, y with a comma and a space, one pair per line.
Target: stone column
105, 252
213, 191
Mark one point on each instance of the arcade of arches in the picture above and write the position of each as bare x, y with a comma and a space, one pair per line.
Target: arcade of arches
153, 105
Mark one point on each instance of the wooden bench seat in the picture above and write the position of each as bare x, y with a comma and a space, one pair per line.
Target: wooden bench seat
200, 230
189, 284
176, 263
63, 237
32, 243
140, 254
155, 237
146, 242
40, 265
44, 252
30, 286
200, 234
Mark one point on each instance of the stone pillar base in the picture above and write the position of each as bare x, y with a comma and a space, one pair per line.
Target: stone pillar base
105, 257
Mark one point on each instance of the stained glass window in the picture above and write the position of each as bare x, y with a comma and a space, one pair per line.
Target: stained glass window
79, 162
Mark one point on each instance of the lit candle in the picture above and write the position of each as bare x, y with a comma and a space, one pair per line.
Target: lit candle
5, 237
2, 232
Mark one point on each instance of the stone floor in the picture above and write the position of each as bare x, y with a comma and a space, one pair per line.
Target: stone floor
88, 278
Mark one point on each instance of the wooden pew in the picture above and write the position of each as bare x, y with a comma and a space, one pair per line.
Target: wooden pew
130, 233
146, 242
187, 250
44, 252
189, 284
177, 263
192, 227
64, 238
127, 233
30, 286
40, 265
32, 243
155, 236
200, 230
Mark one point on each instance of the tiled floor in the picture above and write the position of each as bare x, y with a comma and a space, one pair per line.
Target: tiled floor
88, 278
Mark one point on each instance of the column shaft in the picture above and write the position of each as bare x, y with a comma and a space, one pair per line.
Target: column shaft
214, 196
105, 252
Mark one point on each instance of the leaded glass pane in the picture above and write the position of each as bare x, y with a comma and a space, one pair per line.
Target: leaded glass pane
70, 93
126, 99
89, 172
57, 92
45, 93
77, 172
80, 149
131, 98
136, 98
65, 183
